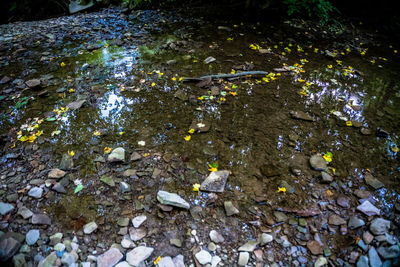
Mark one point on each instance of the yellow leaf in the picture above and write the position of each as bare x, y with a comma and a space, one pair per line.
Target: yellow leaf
187, 137
315, 50
39, 133
31, 138
233, 93
328, 156
23, 138
153, 84
348, 123
395, 149
233, 71
107, 150
71, 90
213, 169
97, 133
282, 189
222, 99
329, 193
301, 80
191, 131
71, 153
330, 66
146, 155
180, 78
19, 133
265, 79
121, 133
196, 187
157, 260
200, 98
62, 64
173, 78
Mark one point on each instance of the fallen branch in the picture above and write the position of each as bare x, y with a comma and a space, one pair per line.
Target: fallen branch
224, 76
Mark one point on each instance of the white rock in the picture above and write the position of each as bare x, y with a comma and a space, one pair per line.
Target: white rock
138, 255
216, 237
243, 258
368, 209
172, 199
89, 228
165, 262
138, 220
117, 155
203, 257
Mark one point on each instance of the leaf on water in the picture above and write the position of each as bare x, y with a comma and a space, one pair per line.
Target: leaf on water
78, 188
348, 123
107, 150
191, 131
395, 149
71, 153
96, 133
187, 137
282, 189
328, 156
62, 64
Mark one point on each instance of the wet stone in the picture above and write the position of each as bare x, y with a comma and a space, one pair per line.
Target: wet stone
166, 262
175, 242
326, 178
138, 255
336, 220
125, 187
280, 216
110, 258
8, 247
379, 226
76, 105
172, 199
368, 209
66, 162
215, 182
391, 252
318, 163
367, 237
135, 156
373, 257
58, 187
300, 115
32, 236
266, 238
108, 180
203, 257
41, 219
117, 155
50, 260
315, 247
24, 212
32, 84
230, 209
363, 194
321, 261
5, 208
343, 202
269, 170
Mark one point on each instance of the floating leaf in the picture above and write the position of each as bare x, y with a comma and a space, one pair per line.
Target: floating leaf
71, 153
39, 133
62, 64
121, 133
328, 156
96, 133
157, 260
348, 123
31, 138
191, 131
395, 149
282, 189
23, 138
196, 187
187, 137
107, 150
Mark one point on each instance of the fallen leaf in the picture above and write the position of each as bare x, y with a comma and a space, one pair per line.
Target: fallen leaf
187, 137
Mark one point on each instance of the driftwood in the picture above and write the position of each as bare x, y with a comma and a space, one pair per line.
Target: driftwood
224, 76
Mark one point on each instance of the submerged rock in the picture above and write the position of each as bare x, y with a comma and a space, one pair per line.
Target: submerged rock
41, 219
138, 255
89, 228
203, 257
230, 209
243, 258
110, 258
8, 247
318, 163
300, 115
32, 236
368, 209
215, 182
56, 174
172, 199
372, 181
67, 162
379, 226
5, 208
35, 192
117, 155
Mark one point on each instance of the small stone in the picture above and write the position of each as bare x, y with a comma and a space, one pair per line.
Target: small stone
108, 180
300, 115
58, 187
336, 220
372, 181
68, 259
19, 260
41, 219
56, 174
250, 246
179, 262
215, 182
117, 155
326, 177
129, 173
172, 199
138, 220
343, 202
32, 236
137, 233
209, 59
373, 257
212, 247
203, 257
355, 222
110, 258
214, 261
216, 237
363, 194
59, 247
368, 209
89, 228
50, 260
122, 264
266, 238
138, 255
165, 262
25, 212
379, 226
8, 247
127, 243
243, 258
230, 209
135, 156
67, 162
76, 105
315, 247
124, 221
367, 237
318, 163
280, 216
35, 192
362, 245
321, 261
125, 187
5, 208
33, 83
176, 242
55, 239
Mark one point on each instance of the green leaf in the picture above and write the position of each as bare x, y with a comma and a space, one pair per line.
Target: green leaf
78, 188
50, 119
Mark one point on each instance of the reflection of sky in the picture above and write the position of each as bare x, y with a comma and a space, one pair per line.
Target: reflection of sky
112, 107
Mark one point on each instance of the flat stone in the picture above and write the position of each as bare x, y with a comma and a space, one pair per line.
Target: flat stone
266, 238
138, 220
280, 216
326, 177
368, 209
315, 247
318, 163
367, 237
175, 242
35, 192
41, 219
363, 194
25, 212
216, 237
58, 187
108, 180
33, 83
373, 257
355, 222
230, 209
250, 246
50, 260
209, 59
179, 261
135, 156
56, 174
117, 155
76, 104
363, 261
123, 264
137, 233
243, 258
343, 201
32, 236
129, 173
203, 257
89, 228
8, 247
138, 255
5, 208
321, 261
110, 258
59, 247
123, 221
300, 115
391, 252
68, 259
336, 220
379, 226
372, 181
215, 182
67, 163
127, 243
172, 199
